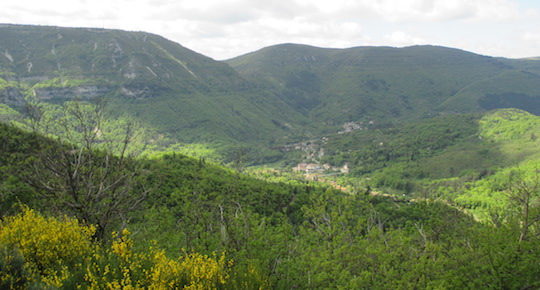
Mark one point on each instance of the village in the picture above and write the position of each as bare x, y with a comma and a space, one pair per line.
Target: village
312, 168
313, 152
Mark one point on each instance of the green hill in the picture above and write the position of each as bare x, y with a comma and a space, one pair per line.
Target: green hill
442, 194
531, 64
165, 85
275, 96
381, 83
276, 235
407, 157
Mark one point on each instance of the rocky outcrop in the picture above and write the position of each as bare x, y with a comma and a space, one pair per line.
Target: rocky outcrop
83, 92
138, 90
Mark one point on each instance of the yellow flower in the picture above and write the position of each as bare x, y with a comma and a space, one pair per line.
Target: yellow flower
49, 245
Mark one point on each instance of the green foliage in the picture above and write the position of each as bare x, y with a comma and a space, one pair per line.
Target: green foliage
276, 95
381, 83
509, 124
17, 149
490, 198
282, 235
511, 130
49, 252
12, 272
510, 88
184, 95
205, 152
411, 157
375, 148
8, 114
6, 84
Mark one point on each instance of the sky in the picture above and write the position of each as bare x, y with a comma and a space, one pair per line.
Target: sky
223, 29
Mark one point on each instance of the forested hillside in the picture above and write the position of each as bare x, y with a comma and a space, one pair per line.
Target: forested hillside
310, 168
264, 99
164, 85
386, 83
264, 235
440, 157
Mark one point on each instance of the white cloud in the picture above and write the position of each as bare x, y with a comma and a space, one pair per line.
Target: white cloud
226, 28
400, 38
443, 10
532, 37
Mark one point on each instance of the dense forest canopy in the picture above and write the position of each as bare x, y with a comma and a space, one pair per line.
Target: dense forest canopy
251, 233
129, 161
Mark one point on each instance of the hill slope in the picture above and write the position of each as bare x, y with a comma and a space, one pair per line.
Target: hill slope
272, 96
361, 83
164, 84
277, 235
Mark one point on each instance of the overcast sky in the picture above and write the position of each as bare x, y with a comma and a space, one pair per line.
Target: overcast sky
223, 29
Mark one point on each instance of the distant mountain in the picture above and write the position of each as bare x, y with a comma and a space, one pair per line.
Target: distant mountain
359, 83
531, 64
164, 84
269, 97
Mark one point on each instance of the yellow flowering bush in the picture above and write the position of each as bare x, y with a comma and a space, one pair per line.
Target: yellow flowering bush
204, 272
60, 252
49, 246
193, 271
120, 267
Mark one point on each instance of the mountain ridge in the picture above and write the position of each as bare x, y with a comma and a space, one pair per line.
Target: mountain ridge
166, 85
273, 96
384, 80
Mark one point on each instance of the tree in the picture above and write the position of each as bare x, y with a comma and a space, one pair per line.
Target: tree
524, 192
239, 157
90, 172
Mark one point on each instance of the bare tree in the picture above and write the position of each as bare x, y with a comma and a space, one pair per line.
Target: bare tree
88, 175
524, 192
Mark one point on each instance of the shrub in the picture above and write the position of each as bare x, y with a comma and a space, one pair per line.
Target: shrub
46, 252
50, 246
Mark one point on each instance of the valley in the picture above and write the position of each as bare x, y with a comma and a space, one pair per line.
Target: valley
292, 166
